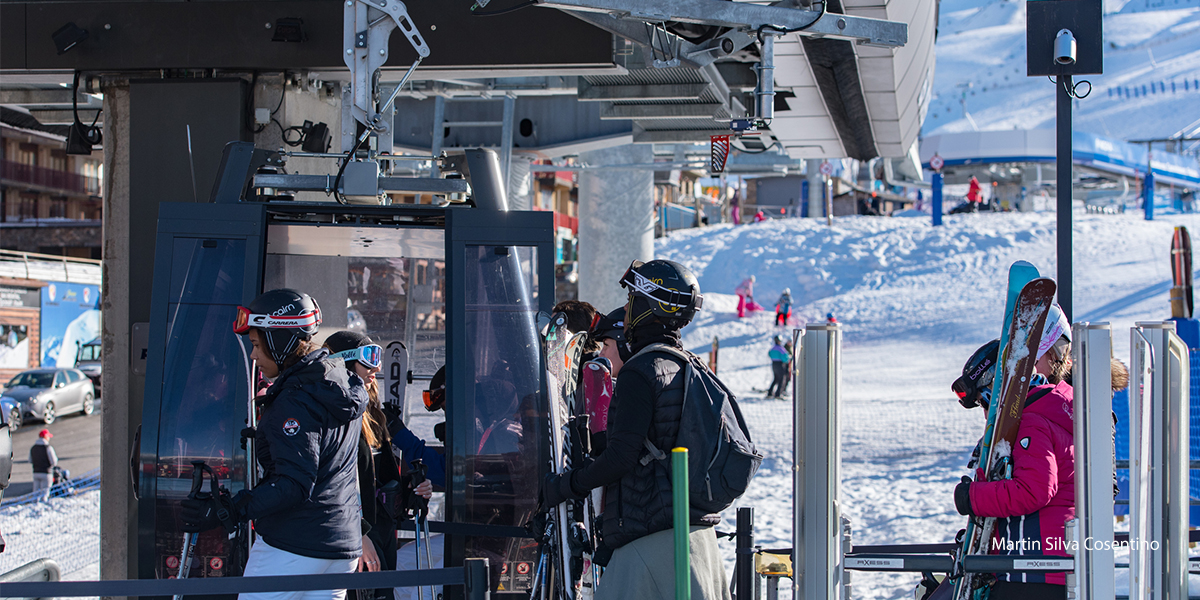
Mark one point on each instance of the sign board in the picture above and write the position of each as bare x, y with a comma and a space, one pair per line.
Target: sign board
826, 168
936, 163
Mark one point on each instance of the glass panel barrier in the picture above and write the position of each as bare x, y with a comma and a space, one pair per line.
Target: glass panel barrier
204, 393
505, 452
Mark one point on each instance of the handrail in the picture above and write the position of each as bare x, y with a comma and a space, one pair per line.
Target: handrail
42, 569
473, 575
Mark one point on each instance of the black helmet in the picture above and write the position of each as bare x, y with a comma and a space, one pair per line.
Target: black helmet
778, 339
670, 291
284, 317
435, 396
610, 326
975, 386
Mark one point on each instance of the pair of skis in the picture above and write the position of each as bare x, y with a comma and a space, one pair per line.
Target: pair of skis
568, 540
1028, 301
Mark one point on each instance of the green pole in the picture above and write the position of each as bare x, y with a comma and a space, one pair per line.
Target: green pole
680, 502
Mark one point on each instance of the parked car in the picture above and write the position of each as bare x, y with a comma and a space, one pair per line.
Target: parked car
88, 361
44, 394
10, 413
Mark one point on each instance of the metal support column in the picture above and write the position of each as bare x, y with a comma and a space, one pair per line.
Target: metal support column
816, 459
1064, 194
1094, 576
439, 131
506, 140
1158, 427
743, 571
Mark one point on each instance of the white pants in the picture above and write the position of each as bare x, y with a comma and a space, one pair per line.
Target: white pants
266, 560
42, 483
406, 560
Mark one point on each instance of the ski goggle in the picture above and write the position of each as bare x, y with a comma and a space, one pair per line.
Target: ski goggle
370, 356
246, 319
434, 399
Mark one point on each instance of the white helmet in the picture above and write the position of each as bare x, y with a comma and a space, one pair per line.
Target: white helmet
752, 279
1056, 327
787, 291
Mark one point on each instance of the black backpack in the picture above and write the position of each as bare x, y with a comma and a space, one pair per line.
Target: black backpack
721, 457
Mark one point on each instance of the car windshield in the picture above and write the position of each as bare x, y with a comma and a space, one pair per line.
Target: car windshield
33, 379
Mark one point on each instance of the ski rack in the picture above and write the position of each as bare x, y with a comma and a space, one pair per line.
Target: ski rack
1159, 361
1158, 410
1094, 575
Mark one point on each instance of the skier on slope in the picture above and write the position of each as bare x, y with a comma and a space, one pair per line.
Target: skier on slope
1034, 504
779, 361
638, 529
305, 508
745, 294
783, 308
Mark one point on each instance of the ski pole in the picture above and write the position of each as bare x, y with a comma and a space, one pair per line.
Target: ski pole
190, 539
420, 508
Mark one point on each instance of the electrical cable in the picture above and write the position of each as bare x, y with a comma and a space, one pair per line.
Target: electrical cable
89, 133
824, 9
1073, 89
502, 11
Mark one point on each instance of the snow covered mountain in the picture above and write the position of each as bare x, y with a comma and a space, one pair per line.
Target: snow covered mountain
1150, 86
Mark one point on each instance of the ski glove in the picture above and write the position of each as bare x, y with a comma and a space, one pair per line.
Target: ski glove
395, 418
962, 497
557, 489
202, 514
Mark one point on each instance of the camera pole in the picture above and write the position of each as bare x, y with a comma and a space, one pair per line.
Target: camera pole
1064, 192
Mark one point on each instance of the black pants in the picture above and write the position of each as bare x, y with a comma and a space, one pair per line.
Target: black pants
779, 378
1007, 590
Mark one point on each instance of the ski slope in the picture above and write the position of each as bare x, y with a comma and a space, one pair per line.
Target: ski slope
1148, 55
915, 302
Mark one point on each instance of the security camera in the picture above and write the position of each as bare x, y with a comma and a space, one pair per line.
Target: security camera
1064, 47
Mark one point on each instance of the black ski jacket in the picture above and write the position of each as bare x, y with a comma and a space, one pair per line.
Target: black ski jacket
647, 404
307, 445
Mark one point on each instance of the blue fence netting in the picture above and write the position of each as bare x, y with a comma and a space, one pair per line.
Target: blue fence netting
66, 528
75, 485
1121, 409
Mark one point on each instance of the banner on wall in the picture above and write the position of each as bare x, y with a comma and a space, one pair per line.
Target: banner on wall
70, 319
14, 331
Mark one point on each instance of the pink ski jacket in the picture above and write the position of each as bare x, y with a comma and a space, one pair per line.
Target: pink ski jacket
1040, 497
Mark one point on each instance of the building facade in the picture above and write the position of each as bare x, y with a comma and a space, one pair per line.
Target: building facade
50, 202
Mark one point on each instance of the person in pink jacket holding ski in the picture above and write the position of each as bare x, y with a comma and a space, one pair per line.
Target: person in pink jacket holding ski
1034, 504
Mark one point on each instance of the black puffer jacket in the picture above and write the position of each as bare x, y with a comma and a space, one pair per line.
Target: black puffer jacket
307, 444
647, 404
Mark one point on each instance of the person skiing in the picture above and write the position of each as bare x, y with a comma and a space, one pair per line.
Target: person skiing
1033, 505
305, 508
377, 466
745, 294
783, 308
43, 460
787, 347
637, 528
779, 361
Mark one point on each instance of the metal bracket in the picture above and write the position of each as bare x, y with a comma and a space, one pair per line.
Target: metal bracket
367, 26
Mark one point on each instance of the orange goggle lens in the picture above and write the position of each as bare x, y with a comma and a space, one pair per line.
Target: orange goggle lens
241, 324
434, 399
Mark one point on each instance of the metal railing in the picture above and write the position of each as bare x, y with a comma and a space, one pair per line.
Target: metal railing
50, 178
473, 576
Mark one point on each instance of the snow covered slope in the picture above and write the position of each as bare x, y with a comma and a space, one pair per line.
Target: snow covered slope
1148, 57
914, 302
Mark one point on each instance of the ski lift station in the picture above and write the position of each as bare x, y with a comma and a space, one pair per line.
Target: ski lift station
380, 155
